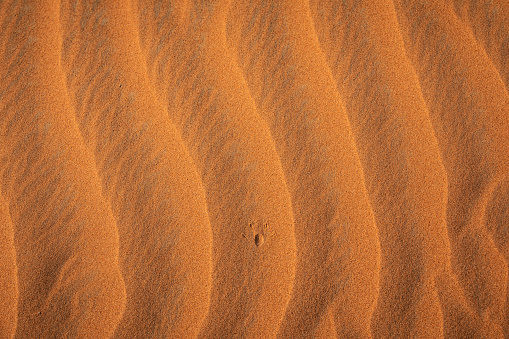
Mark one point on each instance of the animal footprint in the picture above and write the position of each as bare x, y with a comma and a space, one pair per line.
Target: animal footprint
259, 237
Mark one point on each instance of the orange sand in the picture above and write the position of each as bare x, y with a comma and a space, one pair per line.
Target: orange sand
254, 169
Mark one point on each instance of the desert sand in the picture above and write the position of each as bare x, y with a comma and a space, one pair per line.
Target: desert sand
254, 169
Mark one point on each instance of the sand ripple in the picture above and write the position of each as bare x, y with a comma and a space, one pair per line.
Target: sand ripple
254, 169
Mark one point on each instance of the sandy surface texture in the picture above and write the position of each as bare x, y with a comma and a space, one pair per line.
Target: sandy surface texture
254, 169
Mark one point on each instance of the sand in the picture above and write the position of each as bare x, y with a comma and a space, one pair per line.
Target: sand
254, 169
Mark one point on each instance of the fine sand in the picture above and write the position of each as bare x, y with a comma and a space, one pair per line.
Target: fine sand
254, 169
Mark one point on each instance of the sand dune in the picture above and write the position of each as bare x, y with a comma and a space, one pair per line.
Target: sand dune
247, 195
9, 279
468, 106
337, 243
146, 173
66, 238
405, 177
254, 169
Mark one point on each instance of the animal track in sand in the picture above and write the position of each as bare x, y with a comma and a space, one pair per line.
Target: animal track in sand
259, 237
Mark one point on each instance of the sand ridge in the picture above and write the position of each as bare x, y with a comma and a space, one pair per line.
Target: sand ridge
9, 279
246, 192
65, 236
147, 174
254, 169
337, 238
468, 111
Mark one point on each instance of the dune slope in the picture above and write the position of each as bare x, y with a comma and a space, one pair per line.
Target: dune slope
338, 249
247, 196
468, 105
65, 236
407, 181
9, 278
145, 170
